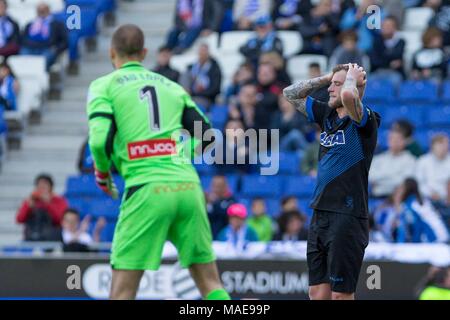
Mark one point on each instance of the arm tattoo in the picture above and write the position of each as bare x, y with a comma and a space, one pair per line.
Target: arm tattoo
296, 93
354, 108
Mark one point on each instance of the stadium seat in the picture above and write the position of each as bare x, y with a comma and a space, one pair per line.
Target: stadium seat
297, 66
418, 92
55, 5
413, 114
79, 204
292, 42
289, 163
82, 186
218, 116
438, 117
229, 63
182, 62
417, 18
382, 142
107, 208
231, 41
211, 40
300, 186
30, 67
261, 186
446, 91
413, 43
379, 91
204, 169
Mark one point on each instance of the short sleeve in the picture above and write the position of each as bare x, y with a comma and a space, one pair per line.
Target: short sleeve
316, 110
369, 122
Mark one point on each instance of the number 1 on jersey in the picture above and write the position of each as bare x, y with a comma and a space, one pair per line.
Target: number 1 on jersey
149, 93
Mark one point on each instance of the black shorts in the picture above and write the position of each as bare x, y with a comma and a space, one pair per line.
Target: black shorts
336, 244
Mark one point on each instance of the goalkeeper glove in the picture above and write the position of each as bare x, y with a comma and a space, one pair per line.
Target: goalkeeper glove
105, 182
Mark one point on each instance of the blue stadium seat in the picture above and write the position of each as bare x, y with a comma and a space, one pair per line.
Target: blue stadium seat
218, 116
413, 114
418, 92
205, 169
301, 186
379, 91
304, 207
261, 186
446, 91
79, 204
107, 208
82, 186
438, 117
289, 163
382, 139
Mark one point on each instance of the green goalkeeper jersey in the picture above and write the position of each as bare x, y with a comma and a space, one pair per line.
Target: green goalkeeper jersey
135, 121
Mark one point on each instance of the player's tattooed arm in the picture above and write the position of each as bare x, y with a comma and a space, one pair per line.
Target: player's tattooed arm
356, 76
297, 92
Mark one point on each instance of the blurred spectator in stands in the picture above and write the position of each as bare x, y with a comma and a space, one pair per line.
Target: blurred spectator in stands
276, 60
417, 219
236, 148
9, 87
430, 62
238, 233
260, 221
203, 78
375, 234
218, 199
42, 212
291, 227
163, 64
244, 74
433, 170
435, 5
75, 235
287, 14
347, 52
244, 108
407, 130
395, 9
315, 72
292, 126
441, 20
289, 203
246, 12
265, 40
310, 158
9, 32
45, 36
193, 18
356, 18
390, 168
269, 89
437, 286
386, 57
385, 217
319, 29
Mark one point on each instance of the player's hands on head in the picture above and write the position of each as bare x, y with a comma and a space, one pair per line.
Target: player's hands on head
358, 73
105, 182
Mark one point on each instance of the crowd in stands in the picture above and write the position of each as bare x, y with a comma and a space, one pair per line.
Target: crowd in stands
410, 174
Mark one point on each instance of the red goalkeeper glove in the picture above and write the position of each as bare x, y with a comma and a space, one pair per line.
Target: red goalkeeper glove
105, 182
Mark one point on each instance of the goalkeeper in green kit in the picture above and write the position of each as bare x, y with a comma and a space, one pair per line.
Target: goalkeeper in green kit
135, 121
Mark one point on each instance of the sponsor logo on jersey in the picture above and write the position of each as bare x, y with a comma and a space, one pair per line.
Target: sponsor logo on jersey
330, 140
151, 148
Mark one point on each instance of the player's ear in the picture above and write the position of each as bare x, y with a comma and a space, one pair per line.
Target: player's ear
143, 54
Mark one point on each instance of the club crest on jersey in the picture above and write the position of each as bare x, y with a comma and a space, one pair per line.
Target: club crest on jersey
330, 140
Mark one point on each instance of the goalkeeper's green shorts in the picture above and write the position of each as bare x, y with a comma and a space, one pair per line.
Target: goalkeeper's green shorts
156, 212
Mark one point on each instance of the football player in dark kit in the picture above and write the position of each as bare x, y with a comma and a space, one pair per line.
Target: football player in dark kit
339, 230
